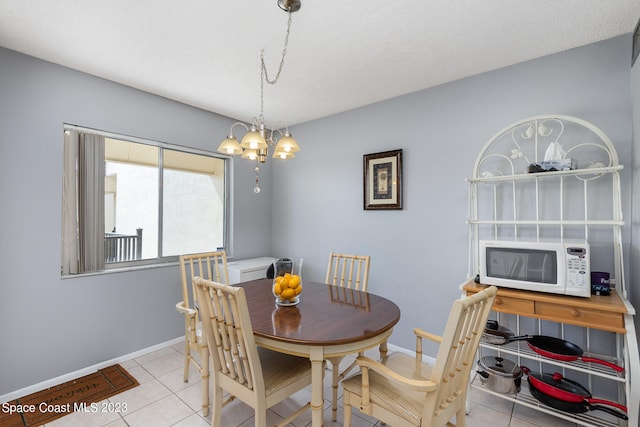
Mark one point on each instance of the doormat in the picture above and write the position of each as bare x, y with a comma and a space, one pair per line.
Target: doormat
81, 394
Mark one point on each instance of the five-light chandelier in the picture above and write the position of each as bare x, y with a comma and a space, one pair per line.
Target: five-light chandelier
256, 142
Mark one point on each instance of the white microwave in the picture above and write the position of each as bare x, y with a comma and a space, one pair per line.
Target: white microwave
554, 267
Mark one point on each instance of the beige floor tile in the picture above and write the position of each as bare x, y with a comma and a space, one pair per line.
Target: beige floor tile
194, 420
174, 380
537, 418
192, 396
139, 373
490, 401
234, 414
94, 416
482, 416
161, 413
164, 361
141, 396
118, 423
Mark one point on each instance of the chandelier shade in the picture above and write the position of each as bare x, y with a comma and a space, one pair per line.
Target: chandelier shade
230, 146
254, 139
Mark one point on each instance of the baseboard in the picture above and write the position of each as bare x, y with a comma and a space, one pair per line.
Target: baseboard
85, 371
428, 359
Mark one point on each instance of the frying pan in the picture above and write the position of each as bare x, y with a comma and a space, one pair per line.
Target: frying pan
551, 347
572, 407
496, 334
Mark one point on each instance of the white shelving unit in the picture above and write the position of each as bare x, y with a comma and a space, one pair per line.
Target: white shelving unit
507, 202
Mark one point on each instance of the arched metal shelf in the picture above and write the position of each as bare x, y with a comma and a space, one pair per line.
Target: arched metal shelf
510, 198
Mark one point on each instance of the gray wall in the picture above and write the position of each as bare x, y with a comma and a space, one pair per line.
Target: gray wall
308, 207
635, 202
51, 326
419, 254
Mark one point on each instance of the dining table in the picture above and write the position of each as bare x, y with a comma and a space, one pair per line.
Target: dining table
327, 322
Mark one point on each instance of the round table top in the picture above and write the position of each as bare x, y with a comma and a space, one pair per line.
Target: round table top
325, 315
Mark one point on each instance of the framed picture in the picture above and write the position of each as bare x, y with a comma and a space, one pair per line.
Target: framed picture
383, 180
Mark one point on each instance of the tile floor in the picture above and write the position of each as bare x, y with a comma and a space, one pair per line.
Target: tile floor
162, 399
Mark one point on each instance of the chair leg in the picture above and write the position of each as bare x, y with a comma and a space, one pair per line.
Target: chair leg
260, 415
187, 350
461, 417
346, 409
216, 416
204, 374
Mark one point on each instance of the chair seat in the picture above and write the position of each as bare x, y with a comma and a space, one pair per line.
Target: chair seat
407, 404
281, 370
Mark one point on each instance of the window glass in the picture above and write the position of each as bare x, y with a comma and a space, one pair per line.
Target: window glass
193, 203
131, 195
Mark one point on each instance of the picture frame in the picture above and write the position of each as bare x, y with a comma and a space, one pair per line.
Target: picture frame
383, 180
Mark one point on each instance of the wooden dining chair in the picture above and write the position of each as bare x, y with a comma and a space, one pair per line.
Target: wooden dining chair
209, 265
402, 390
350, 272
257, 376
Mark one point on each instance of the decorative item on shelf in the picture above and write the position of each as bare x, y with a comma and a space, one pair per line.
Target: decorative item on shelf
554, 156
287, 281
255, 144
600, 283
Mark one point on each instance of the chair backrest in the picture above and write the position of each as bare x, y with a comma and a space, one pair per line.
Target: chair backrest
208, 265
457, 353
227, 328
348, 271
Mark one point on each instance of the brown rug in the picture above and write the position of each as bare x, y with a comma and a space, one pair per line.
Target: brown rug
82, 394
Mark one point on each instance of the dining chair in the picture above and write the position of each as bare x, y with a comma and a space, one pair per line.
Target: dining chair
402, 390
209, 265
257, 376
350, 272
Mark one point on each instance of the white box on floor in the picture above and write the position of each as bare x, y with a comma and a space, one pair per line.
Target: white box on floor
248, 269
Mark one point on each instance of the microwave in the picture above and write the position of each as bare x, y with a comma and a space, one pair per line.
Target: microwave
554, 267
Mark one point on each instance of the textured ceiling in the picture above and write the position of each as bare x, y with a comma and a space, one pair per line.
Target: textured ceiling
342, 55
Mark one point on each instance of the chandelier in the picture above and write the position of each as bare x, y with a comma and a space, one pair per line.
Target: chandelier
257, 141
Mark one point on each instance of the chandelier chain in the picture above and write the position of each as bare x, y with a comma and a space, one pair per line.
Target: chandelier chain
264, 75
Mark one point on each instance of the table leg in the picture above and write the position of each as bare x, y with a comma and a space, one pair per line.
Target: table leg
317, 385
383, 350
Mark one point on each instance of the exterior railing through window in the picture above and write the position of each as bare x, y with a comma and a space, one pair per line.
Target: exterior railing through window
122, 247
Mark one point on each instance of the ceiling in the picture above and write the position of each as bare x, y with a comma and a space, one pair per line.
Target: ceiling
341, 54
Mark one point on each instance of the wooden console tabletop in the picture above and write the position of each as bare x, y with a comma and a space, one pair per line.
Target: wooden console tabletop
597, 312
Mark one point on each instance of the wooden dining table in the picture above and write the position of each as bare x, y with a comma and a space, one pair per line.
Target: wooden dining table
328, 322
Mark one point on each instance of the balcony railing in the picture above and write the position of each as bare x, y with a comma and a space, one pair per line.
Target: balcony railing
122, 247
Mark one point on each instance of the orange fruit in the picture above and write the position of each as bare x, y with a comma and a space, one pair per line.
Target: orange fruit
288, 294
294, 281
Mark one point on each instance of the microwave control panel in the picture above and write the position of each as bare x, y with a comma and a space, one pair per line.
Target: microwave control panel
578, 275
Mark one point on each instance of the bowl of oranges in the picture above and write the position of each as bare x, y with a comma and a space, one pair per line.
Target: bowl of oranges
287, 281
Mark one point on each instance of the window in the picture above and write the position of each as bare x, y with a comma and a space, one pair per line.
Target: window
128, 201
